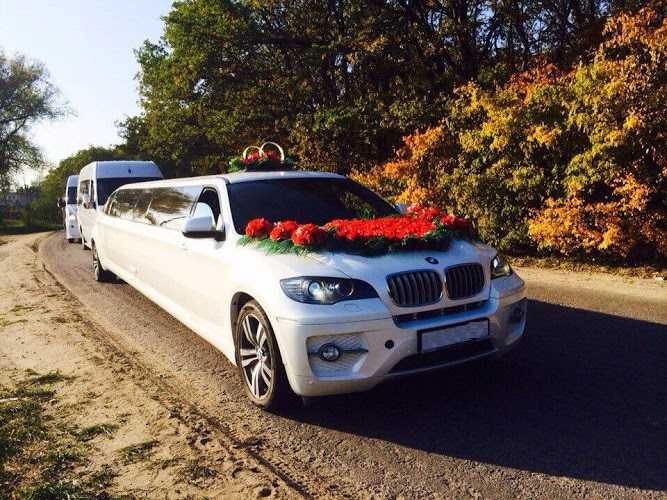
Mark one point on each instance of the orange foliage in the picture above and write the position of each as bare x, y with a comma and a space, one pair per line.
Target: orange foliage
571, 162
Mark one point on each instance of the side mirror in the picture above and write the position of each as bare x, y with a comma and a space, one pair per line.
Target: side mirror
401, 207
203, 227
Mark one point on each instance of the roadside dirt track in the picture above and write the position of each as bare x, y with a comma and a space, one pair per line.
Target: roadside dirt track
579, 410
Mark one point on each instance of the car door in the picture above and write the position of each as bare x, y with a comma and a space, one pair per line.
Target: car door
204, 273
156, 260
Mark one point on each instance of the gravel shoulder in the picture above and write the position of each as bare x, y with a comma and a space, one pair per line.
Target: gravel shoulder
577, 411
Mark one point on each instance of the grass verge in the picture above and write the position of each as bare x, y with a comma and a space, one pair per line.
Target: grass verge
39, 457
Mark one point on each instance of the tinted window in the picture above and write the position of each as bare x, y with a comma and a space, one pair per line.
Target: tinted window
124, 202
315, 201
171, 206
140, 209
71, 195
107, 186
208, 204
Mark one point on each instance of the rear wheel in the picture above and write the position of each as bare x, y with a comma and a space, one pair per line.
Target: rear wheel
101, 274
258, 360
70, 240
83, 240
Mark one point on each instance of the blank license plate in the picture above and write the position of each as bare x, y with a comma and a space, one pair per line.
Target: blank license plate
432, 340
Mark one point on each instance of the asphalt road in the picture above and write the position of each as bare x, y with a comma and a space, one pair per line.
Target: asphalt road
579, 410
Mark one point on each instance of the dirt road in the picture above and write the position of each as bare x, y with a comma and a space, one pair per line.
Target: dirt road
579, 410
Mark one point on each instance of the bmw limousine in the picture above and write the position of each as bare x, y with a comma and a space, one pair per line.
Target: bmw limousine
314, 322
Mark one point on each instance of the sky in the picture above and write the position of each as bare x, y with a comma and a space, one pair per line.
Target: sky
88, 48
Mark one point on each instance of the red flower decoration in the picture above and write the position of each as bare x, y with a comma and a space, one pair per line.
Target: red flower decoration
283, 230
392, 228
453, 222
309, 235
258, 228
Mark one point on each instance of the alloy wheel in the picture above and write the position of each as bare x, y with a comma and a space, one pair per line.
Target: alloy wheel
255, 355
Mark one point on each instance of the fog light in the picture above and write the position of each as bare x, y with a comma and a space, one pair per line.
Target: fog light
329, 352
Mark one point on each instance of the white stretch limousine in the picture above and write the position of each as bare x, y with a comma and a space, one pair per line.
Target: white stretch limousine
313, 324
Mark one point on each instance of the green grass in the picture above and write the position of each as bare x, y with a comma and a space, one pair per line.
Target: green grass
38, 455
92, 431
13, 226
137, 452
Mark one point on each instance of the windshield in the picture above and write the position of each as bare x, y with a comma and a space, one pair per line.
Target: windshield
107, 186
71, 195
305, 200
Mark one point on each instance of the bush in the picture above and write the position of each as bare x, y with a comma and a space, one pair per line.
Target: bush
570, 162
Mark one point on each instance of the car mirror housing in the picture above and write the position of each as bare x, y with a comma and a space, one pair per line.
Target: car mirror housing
203, 227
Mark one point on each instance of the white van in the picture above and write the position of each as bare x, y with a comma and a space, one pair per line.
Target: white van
99, 179
68, 205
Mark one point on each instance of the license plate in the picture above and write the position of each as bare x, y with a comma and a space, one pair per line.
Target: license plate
432, 340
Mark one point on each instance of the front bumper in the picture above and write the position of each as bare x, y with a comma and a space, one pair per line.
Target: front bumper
380, 349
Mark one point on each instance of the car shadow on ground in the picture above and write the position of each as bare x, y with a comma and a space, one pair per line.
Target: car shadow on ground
585, 397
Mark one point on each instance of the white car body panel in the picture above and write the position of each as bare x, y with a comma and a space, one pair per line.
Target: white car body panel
199, 280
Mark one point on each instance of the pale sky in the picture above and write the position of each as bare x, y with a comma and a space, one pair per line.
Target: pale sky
87, 46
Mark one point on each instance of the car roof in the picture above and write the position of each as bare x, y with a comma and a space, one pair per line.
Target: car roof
236, 178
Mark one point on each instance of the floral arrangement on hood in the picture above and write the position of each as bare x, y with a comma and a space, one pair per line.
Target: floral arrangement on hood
421, 228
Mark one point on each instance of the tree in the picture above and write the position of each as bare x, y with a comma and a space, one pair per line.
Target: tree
338, 82
26, 97
567, 161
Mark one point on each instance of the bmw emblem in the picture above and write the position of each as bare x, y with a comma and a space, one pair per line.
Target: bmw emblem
431, 260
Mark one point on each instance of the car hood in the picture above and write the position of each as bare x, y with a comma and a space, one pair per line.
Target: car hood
374, 270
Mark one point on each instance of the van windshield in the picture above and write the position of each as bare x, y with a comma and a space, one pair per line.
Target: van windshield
305, 200
106, 186
71, 195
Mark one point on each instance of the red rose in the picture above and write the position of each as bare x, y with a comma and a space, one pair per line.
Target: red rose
448, 220
252, 157
309, 235
283, 230
258, 228
461, 223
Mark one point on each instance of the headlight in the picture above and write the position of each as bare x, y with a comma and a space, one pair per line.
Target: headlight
321, 290
499, 267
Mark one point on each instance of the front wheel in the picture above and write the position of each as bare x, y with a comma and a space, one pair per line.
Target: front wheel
101, 274
258, 360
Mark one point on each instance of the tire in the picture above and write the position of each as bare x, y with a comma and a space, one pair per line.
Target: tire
263, 376
100, 274
83, 240
70, 240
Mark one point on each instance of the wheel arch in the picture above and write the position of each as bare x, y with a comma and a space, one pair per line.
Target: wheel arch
238, 301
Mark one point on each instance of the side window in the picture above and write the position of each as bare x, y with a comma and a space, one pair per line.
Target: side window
125, 201
83, 190
92, 190
170, 206
140, 210
111, 206
208, 204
